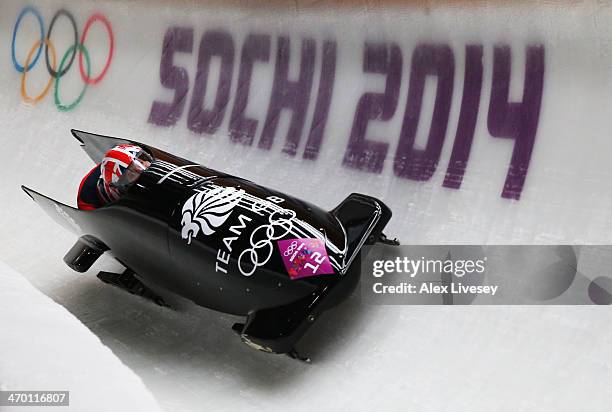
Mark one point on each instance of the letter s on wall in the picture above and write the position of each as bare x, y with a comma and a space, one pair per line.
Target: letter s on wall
177, 39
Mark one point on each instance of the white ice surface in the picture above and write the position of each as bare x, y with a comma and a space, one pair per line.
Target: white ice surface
44, 347
365, 357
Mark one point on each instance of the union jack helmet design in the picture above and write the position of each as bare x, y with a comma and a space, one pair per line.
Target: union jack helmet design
120, 168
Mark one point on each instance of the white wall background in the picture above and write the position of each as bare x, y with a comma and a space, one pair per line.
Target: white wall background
395, 358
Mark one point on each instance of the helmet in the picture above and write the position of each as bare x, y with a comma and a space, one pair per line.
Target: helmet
120, 168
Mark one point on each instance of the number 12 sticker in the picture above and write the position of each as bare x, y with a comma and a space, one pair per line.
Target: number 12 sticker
305, 257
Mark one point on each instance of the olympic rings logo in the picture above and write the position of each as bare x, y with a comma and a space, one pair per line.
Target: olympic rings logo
291, 248
56, 73
278, 228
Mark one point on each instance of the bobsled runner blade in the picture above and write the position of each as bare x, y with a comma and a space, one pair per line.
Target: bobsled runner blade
293, 354
66, 216
386, 241
96, 145
128, 282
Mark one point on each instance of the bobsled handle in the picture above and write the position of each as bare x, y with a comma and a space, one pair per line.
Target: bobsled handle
84, 253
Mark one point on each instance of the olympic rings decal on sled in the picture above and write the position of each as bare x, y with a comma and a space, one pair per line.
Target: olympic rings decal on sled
285, 226
78, 47
291, 249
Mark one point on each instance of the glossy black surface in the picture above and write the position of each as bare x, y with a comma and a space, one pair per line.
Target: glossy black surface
236, 266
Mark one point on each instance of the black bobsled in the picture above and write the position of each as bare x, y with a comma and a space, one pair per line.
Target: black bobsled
225, 243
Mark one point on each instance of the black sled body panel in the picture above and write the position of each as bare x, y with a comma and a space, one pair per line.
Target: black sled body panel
226, 243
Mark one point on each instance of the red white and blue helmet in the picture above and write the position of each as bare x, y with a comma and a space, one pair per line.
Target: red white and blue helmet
120, 168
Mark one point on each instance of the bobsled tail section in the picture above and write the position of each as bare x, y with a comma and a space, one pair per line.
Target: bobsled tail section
96, 145
66, 216
87, 249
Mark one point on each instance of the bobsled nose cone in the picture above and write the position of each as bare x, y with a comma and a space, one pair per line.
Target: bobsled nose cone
28, 191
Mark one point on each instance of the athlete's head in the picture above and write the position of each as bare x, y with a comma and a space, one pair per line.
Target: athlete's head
120, 168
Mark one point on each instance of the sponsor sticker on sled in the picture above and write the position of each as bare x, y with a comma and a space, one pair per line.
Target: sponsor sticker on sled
305, 257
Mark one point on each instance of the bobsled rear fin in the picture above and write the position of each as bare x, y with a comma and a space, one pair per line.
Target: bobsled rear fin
68, 217
363, 218
96, 145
